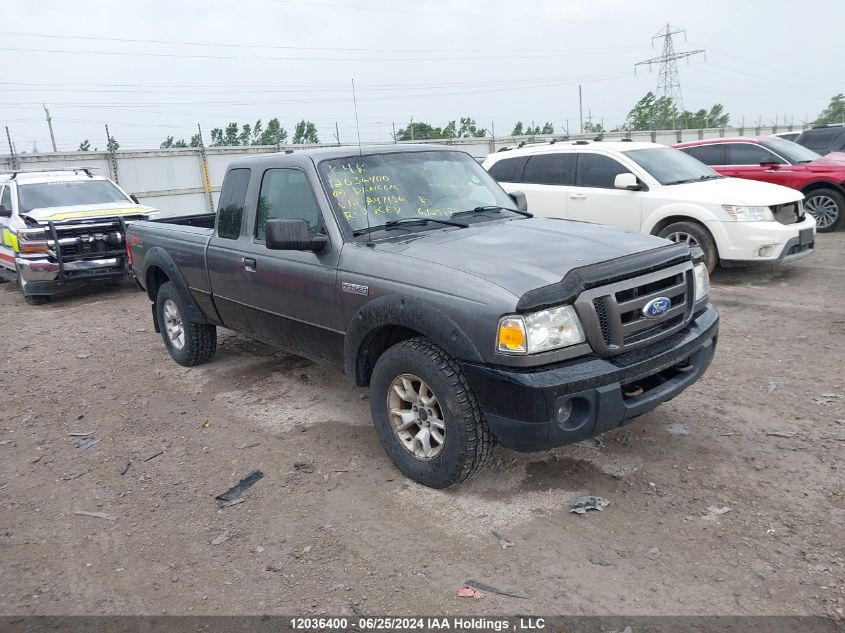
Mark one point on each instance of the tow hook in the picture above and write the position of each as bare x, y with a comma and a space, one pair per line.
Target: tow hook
632, 391
684, 367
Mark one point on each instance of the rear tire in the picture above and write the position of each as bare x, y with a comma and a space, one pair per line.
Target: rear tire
693, 234
827, 206
435, 434
187, 342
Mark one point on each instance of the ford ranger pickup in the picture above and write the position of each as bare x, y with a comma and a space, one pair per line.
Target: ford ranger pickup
411, 271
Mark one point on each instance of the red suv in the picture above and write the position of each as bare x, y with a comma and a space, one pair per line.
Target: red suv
771, 159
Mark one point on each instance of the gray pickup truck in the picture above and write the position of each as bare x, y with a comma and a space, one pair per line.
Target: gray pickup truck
410, 270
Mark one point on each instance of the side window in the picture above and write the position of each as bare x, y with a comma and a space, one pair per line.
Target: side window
550, 169
839, 144
6, 197
748, 154
509, 169
286, 195
707, 154
230, 208
596, 170
820, 139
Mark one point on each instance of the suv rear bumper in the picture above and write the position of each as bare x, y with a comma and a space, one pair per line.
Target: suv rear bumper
521, 407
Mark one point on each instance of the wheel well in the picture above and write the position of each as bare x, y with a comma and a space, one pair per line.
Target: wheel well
374, 345
823, 185
675, 218
155, 278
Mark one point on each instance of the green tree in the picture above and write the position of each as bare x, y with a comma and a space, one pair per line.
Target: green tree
305, 132
112, 145
468, 129
273, 134
593, 128
713, 118
245, 135
451, 130
196, 140
85, 146
518, 129
169, 142
548, 128
834, 112
653, 113
419, 131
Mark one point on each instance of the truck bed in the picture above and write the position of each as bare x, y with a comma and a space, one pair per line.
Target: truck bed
184, 239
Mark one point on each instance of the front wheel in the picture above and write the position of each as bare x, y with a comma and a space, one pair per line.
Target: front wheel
189, 343
827, 206
693, 235
426, 415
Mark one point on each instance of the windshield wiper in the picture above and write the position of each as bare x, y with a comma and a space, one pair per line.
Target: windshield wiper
492, 207
699, 179
392, 224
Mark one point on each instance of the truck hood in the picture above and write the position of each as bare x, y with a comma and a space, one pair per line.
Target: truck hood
835, 161
524, 254
736, 191
87, 211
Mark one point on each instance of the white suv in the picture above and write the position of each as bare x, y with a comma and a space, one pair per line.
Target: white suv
658, 190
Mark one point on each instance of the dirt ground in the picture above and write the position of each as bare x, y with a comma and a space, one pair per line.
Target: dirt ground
333, 527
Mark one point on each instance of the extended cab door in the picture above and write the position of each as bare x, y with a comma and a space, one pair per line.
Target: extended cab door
228, 251
291, 296
594, 197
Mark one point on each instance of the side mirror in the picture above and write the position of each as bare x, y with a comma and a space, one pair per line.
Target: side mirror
134, 198
519, 198
292, 235
4, 212
626, 181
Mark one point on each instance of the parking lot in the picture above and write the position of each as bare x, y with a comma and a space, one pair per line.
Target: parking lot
334, 528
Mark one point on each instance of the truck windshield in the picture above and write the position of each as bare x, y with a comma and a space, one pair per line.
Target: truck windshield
793, 152
670, 166
374, 189
68, 193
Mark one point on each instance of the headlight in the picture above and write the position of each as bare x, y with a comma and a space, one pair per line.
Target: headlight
539, 331
748, 214
702, 282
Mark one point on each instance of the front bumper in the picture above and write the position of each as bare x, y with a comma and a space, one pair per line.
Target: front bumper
44, 277
760, 242
521, 407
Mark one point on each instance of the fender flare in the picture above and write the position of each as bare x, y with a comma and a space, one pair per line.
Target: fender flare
406, 312
160, 258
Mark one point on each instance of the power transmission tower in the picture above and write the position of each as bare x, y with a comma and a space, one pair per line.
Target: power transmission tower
668, 81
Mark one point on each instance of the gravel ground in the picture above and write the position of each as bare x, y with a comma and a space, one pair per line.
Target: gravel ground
333, 527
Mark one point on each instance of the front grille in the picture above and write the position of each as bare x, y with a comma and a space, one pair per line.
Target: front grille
787, 213
94, 239
614, 316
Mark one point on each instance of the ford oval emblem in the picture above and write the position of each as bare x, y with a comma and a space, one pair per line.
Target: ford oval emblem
657, 307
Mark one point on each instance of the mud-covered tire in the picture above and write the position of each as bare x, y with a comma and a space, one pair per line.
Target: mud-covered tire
696, 235
827, 206
200, 339
468, 442
36, 300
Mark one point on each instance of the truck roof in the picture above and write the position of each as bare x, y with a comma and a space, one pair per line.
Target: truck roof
318, 154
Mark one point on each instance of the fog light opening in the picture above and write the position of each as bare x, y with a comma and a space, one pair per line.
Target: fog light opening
765, 251
632, 391
564, 410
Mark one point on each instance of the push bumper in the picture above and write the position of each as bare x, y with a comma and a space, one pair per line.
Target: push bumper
44, 277
526, 410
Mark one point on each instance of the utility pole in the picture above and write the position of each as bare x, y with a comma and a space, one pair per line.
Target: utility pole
580, 109
336, 133
112, 157
394, 132
50, 125
668, 81
15, 164
206, 177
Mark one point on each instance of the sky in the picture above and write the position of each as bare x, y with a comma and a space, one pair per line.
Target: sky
151, 69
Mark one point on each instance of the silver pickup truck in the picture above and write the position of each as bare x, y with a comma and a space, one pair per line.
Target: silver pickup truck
414, 273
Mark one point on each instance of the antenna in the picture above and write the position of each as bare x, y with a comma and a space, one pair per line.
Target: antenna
361, 156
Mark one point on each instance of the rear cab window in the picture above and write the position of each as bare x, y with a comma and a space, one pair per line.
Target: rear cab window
230, 207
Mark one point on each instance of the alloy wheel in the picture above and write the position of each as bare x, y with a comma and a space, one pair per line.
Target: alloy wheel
416, 416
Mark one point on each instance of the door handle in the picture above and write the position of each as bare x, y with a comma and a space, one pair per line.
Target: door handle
577, 196
249, 264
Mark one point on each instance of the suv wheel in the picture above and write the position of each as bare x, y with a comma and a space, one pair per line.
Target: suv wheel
426, 416
189, 343
36, 300
694, 235
827, 206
